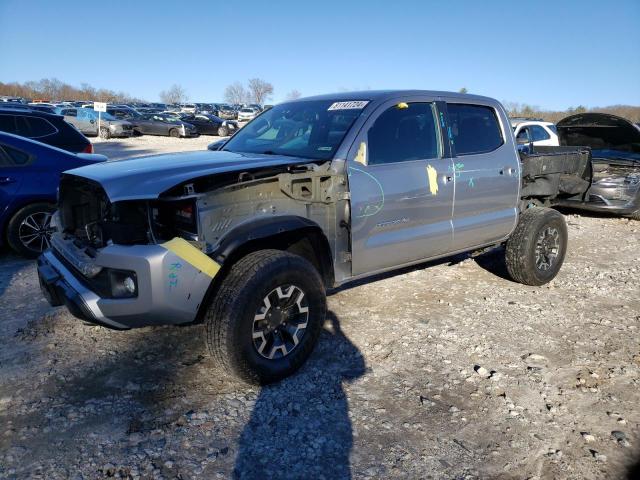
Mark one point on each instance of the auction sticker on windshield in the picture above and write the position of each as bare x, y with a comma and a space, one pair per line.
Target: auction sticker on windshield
352, 105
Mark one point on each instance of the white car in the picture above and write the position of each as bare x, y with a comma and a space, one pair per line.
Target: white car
247, 113
541, 134
189, 108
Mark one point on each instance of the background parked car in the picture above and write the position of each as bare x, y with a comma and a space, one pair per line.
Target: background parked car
44, 127
248, 113
538, 132
29, 177
227, 112
86, 120
189, 108
164, 124
211, 125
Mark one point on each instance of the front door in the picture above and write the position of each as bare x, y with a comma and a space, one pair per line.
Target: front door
401, 187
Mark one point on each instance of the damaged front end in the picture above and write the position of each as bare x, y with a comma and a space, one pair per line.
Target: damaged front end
143, 247
125, 264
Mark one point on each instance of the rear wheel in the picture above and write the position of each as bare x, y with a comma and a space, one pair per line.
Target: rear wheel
535, 252
223, 131
29, 230
635, 215
174, 133
266, 316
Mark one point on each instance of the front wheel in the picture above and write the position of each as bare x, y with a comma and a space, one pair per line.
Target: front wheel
174, 133
535, 252
223, 132
104, 133
29, 230
265, 319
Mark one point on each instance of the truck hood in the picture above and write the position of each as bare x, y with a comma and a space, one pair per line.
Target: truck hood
600, 131
149, 177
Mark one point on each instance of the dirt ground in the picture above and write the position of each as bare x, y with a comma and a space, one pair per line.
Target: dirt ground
445, 370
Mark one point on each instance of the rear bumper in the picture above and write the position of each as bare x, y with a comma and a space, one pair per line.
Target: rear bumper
170, 287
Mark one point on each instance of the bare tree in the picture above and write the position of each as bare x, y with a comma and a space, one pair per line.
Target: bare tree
176, 94
235, 93
260, 90
293, 94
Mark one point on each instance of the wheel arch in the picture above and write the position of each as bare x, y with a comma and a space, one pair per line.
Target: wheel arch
290, 233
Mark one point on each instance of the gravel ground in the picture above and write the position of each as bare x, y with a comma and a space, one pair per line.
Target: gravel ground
446, 370
121, 148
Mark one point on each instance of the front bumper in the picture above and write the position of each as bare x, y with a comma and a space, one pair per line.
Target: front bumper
172, 284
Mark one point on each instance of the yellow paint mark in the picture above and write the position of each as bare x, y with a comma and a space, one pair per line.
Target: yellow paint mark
361, 156
192, 255
433, 180
402, 105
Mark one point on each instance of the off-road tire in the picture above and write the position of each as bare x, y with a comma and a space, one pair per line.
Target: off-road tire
104, 133
635, 215
223, 132
230, 316
13, 228
520, 251
174, 133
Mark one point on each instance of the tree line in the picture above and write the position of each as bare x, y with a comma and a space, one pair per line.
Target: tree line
258, 91
54, 89
515, 109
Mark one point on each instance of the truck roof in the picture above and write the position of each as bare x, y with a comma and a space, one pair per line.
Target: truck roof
382, 95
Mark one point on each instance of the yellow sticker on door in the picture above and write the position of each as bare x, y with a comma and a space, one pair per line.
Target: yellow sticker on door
361, 155
432, 174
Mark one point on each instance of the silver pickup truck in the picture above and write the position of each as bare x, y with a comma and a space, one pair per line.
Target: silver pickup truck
309, 195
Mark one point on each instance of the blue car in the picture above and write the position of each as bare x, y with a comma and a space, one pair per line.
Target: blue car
29, 176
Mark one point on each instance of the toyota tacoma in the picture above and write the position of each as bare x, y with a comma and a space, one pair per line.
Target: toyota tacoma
310, 195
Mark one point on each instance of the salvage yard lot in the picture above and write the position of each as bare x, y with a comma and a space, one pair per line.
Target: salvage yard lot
450, 371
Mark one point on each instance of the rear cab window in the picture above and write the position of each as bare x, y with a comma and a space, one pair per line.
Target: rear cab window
475, 129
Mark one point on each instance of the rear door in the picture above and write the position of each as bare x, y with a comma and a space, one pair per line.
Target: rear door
487, 174
401, 187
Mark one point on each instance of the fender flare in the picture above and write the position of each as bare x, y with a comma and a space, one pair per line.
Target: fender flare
257, 229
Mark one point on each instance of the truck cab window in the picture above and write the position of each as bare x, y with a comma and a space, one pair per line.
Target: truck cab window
474, 128
402, 133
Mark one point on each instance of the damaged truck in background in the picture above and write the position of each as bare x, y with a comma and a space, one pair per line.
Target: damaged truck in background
310, 195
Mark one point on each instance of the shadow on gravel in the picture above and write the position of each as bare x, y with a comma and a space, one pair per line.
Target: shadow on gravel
493, 262
634, 470
300, 427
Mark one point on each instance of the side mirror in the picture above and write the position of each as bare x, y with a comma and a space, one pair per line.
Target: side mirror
522, 140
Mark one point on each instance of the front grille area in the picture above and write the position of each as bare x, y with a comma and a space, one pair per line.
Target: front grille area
92, 220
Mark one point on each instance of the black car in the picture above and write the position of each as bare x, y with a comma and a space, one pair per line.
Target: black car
163, 124
44, 127
211, 125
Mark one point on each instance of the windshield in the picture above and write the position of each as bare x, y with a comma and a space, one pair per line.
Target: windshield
310, 129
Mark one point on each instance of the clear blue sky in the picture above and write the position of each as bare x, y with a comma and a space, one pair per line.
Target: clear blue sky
553, 54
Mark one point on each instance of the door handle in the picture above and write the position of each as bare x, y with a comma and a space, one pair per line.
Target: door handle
507, 171
448, 178
6, 180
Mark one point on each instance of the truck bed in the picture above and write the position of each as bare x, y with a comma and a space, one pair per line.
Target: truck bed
552, 173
